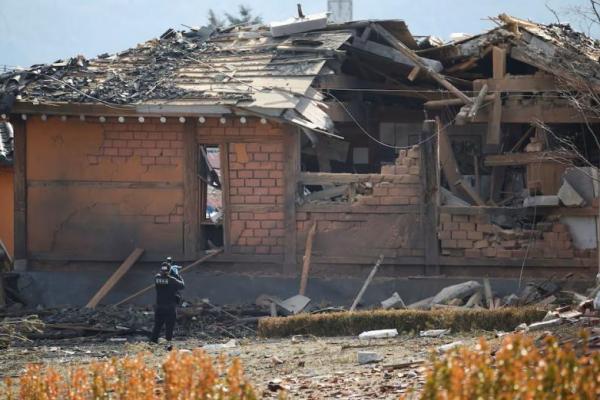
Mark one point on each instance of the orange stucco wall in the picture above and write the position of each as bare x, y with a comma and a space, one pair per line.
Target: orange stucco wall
7, 208
95, 191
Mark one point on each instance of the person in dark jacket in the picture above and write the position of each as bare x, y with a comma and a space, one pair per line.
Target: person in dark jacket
167, 287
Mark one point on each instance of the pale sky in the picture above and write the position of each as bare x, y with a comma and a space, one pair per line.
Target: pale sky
41, 31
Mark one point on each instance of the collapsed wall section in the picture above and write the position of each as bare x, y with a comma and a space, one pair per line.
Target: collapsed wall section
384, 219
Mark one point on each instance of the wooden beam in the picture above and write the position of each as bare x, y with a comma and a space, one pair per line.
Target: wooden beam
413, 74
432, 104
430, 182
20, 188
191, 199
291, 169
467, 188
225, 187
495, 115
115, 277
494, 123
509, 159
307, 254
366, 284
477, 103
539, 110
519, 84
147, 288
499, 62
395, 43
447, 159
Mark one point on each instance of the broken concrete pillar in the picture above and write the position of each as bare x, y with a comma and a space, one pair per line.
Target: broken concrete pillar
541, 201
569, 196
459, 291
393, 302
367, 357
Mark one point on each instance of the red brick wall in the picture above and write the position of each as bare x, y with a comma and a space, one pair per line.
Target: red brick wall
475, 236
386, 221
256, 185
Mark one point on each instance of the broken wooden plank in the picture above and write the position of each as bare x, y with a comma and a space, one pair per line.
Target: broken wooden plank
413, 74
519, 84
432, 104
509, 159
447, 159
395, 43
195, 263
468, 189
493, 132
366, 284
487, 290
327, 194
307, 254
522, 139
477, 103
115, 277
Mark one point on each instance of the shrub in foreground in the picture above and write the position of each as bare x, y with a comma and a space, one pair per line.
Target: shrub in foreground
518, 370
350, 324
187, 376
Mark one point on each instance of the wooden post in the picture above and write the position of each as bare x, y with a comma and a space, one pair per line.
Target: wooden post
291, 169
147, 288
495, 115
115, 277
191, 199
225, 187
366, 284
20, 188
430, 194
307, 254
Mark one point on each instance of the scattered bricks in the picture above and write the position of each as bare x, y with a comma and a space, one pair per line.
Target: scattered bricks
415, 170
444, 235
489, 252
445, 218
401, 170
460, 218
459, 235
509, 244
466, 226
474, 235
481, 244
503, 253
472, 253
449, 244
464, 244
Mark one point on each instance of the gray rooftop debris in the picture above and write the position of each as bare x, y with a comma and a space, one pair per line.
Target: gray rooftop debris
6, 143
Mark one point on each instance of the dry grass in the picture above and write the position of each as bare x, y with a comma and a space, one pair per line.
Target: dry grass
519, 370
349, 324
185, 376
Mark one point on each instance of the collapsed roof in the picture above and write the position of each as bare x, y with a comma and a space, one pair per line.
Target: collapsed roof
248, 69
6, 143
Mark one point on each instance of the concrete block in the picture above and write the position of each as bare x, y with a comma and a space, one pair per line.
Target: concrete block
297, 25
541, 201
569, 196
395, 301
368, 357
459, 291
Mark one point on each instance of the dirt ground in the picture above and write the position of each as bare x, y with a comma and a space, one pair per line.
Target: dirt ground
307, 367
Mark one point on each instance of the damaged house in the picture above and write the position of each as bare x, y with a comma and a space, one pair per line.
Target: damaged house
466, 158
